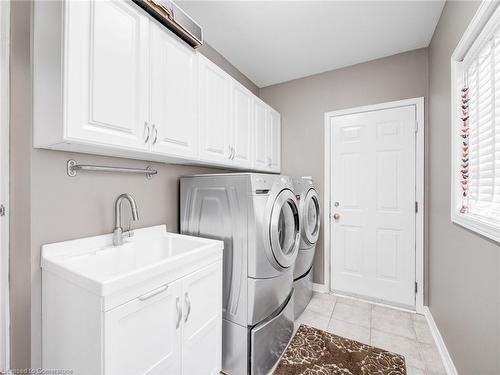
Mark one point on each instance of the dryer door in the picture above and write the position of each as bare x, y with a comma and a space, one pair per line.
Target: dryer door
311, 217
284, 229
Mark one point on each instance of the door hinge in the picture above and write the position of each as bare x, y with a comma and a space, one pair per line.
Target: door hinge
416, 126
2, 210
416, 287
416, 207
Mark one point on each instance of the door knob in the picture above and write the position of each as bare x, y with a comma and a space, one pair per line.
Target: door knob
336, 216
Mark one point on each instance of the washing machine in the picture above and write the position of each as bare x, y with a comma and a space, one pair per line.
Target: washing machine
309, 211
257, 217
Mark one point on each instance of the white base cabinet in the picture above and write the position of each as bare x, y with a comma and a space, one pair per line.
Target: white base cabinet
108, 79
175, 328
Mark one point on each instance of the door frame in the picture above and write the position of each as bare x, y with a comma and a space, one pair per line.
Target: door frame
419, 190
4, 183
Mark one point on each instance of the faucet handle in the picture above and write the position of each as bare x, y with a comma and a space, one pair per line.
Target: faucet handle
128, 234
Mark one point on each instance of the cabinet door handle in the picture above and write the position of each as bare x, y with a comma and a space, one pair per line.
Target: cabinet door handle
153, 293
179, 312
146, 131
156, 134
230, 152
188, 305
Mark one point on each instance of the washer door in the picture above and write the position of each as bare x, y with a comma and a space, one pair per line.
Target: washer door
284, 230
311, 217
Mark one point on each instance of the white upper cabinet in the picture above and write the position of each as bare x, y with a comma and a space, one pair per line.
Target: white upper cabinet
107, 73
267, 138
108, 79
174, 128
241, 126
214, 112
261, 113
274, 141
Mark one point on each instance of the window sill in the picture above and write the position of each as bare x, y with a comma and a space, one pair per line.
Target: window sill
482, 227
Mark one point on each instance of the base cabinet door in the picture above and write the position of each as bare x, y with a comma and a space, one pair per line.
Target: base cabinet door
106, 74
173, 95
202, 321
144, 336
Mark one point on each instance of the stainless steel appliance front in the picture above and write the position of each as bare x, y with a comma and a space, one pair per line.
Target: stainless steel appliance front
257, 217
309, 209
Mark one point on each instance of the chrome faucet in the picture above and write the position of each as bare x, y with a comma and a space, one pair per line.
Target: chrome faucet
118, 233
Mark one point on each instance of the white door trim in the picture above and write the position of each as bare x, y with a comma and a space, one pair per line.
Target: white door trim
4, 183
419, 190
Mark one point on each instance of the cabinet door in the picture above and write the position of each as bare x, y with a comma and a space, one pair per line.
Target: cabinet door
173, 95
261, 156
241, 126
106, 76
214, 112
274, 141
202, 328
144, 336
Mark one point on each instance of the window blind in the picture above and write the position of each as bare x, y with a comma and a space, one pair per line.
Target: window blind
482, 77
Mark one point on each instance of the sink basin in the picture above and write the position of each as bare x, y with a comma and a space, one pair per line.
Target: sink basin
102, 268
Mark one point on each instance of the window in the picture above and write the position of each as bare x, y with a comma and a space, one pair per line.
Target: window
476, 124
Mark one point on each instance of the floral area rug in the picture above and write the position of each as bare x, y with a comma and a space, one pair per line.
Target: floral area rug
316, 352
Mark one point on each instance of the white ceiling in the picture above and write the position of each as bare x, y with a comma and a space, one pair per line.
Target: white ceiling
276, 41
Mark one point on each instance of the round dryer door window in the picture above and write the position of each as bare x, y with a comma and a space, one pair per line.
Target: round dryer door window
285, 228
311, 217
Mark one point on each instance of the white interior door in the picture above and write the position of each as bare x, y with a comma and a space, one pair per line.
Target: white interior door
4, 182
373, 204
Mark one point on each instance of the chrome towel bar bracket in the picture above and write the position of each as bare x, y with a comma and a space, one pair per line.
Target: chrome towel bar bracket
72, 167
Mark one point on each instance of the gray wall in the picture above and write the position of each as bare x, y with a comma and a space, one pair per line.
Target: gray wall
303, 103
464, 268
220, 60
48, 206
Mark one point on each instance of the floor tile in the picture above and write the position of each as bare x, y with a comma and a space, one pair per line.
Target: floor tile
322, 303
350, 331
355, 302
397, 324
388, 312
432, 359
352, 314
423, 332
313, 319
414, 371
419, 318
400, 345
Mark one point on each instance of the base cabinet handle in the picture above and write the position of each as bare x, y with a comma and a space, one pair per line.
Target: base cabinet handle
153, 293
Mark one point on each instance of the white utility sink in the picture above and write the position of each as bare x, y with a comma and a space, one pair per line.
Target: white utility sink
132, 308
95, 264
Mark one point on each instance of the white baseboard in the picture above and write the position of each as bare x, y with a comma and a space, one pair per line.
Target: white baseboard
320, 288
438, 339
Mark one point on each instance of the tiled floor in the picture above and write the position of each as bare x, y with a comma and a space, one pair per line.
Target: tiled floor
394, 330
